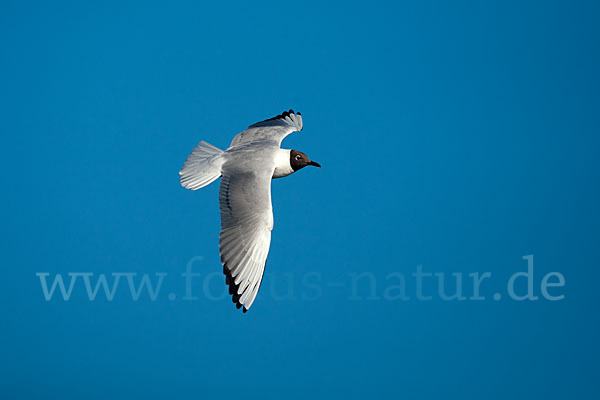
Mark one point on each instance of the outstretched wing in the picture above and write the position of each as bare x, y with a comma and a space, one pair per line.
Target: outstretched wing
246, 224
276, 128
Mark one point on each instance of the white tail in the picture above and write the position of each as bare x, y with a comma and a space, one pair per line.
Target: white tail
202, 166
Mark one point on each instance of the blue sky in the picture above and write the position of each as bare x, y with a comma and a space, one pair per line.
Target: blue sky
459, 136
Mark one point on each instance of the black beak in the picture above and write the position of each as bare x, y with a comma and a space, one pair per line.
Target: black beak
314, 164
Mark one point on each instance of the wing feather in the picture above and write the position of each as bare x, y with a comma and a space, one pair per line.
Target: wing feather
276, 129
246, 224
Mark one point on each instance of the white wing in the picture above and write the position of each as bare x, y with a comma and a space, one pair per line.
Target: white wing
276, 128
246, 224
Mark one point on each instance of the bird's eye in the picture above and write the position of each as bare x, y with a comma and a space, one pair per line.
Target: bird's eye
298, 157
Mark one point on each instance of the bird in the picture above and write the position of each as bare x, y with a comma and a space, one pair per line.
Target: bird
246, 169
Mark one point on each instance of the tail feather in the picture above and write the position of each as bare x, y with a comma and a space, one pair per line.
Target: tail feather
202, 166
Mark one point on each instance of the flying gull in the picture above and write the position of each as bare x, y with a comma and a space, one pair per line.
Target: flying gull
246, 167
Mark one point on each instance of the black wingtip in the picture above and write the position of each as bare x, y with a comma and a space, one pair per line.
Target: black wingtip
280, 116
233, 288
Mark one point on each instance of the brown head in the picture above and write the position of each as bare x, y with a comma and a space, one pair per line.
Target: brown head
299, 160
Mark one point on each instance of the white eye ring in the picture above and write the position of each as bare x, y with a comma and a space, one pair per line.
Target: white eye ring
298, 157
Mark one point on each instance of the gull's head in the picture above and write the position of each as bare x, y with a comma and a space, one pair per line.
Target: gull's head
299, 160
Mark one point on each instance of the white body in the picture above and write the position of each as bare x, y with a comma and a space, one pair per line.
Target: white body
283, 167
